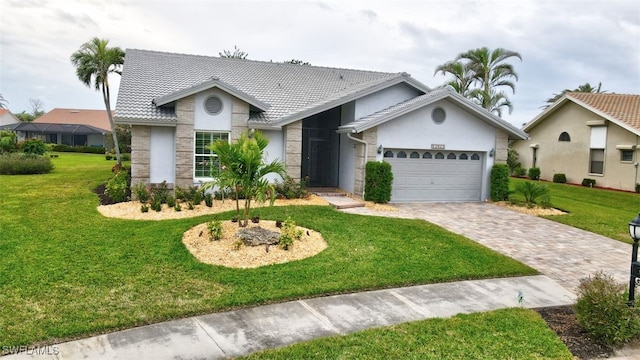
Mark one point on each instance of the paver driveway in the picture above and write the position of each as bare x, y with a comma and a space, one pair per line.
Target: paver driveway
562, 252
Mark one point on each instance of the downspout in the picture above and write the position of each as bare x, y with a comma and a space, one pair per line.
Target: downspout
635, 164
366, 153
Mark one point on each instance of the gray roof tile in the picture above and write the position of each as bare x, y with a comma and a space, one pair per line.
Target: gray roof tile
288, 89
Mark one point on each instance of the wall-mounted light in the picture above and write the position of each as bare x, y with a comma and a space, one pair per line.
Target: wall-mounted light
492, 152
379, 149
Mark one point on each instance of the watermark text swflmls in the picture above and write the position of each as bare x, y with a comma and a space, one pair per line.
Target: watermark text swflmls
30, 350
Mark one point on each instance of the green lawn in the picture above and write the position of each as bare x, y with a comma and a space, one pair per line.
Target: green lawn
502, 334
605, 212
66, 271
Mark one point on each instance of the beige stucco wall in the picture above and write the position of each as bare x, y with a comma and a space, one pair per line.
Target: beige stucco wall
239, 118
501, 147
572, 158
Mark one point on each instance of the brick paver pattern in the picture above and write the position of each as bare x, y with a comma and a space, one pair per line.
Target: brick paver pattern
564, 253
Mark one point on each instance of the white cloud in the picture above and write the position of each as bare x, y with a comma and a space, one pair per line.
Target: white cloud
564, 43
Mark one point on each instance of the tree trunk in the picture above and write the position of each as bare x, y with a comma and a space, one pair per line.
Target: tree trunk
107, 104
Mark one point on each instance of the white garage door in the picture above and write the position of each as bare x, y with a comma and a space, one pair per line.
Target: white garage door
428, 175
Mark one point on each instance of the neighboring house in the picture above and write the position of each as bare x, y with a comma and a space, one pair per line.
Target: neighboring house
323, 123
75, 127
586, 135
6, 117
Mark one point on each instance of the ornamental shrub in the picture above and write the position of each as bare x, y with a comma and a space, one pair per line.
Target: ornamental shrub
289, 188
289, 233
559, 178
24, 164
533, 192
118, 186
33, 146
520, 172
500, 182
534, 173
378, 179
8, 142
601, 309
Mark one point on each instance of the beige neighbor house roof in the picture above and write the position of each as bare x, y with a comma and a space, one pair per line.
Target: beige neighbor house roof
95, 118
621, 109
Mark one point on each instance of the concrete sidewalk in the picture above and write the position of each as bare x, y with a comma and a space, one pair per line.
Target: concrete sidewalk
241, 332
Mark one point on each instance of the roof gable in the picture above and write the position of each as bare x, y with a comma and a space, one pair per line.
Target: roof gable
621, 109
431, 97
281, 92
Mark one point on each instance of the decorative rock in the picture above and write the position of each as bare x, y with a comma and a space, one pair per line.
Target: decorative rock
256, 236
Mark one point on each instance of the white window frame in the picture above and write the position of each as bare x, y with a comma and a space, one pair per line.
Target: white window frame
213, 135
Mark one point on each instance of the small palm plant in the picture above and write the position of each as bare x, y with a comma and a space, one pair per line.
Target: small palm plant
242, 169
533, 193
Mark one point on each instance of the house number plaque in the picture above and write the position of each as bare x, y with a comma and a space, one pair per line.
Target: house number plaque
437, 146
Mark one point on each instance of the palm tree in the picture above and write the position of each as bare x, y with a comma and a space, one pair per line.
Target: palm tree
94, 61
479, 73
242, 169
586, 87
463, 76
493, 101
3, 102
491, 71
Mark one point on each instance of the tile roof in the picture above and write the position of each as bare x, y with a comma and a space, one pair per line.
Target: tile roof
623, 107
94, 118
434, 95
288, 90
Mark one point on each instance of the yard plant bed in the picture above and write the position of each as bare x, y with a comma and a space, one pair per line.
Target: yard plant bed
71, 272
562, 320
224, 251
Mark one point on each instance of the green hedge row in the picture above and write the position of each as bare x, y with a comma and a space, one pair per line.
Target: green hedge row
24, 164
78, 149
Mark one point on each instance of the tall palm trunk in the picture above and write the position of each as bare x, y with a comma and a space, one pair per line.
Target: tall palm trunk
107, 104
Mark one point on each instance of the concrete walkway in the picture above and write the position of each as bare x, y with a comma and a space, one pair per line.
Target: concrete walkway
562, 252
241, 332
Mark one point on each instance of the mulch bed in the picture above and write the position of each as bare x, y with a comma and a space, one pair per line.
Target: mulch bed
562, 320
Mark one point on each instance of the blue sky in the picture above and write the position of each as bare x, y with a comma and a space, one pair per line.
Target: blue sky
563, 43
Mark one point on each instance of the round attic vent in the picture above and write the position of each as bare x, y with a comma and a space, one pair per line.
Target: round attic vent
438, 115
213, 105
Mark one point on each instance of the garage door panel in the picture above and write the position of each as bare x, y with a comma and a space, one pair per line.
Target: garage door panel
420, 179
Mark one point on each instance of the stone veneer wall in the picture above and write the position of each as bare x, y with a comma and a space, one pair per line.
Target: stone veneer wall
502, 147
371, 137
185, 141
140, 143
293, 149
239, 118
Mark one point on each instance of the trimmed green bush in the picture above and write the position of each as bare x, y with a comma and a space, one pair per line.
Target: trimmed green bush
500, 182
33, 146
78, 149
559, 178
520, 172
125, 157
534, 173
602, 310
588, 182
24, 164
378, 179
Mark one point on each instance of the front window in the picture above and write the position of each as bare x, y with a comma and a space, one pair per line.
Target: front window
626, 155
596, 161
205, 158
